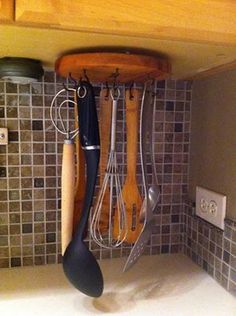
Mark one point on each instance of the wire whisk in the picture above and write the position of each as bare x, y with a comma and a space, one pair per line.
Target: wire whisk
116, 203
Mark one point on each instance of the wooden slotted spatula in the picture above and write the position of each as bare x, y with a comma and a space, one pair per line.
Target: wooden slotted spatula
130, 192
80, 175
105, 127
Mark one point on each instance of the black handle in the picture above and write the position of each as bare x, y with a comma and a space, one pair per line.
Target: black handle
92, 162
90, 141
88, 120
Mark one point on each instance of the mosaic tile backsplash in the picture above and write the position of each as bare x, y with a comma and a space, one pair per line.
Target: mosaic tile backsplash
211, 248
30, 168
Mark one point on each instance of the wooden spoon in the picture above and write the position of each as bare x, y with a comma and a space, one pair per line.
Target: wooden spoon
130, 191
105, 127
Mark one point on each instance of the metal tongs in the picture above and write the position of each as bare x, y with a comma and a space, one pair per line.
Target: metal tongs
151, 192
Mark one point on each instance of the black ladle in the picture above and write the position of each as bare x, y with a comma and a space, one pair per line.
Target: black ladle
79, 264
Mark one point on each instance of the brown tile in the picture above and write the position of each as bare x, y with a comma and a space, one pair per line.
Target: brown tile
50, 148
12, 124
15, 240
26, 194
4, 263
15, 262
26, 159
4, 252
39, 249
4, 241
36, 112
13, 148
37, 101
51, 205
50, 159
38, 171
38, 194
25, 125
27, 228
12, 112
14, 183
15, 251
27, 217
39, 260
50, 171
27, 239
26, 206
15, 229
14, 195
50, 227
38, 159
26, 183
38, 148
51, 259
39, 239
14, 206
39, 228
3, 160
13, 172
26, 171
14, 218
24, 112
24, 100
28, 261
2, 148
11, 87
3, 184
38, 136
3, 196
24, 88
27, 251
51, 216
38, 216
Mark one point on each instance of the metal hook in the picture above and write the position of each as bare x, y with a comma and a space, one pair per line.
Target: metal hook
86, 76
65, 87
130, 90
73, 80
115, 75
107, 88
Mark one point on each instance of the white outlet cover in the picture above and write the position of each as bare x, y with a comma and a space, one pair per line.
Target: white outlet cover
209, 199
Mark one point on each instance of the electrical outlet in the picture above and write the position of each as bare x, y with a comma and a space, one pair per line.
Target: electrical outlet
3, 136
211, 206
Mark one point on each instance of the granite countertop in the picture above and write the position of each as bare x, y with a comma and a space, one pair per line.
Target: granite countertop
157, 285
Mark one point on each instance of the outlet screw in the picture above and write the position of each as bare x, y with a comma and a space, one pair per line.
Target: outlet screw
2, 136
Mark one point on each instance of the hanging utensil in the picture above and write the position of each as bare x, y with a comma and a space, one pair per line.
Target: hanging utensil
105, 127
111, 180
130, 191
152, 195
68, 169
79, 264
80, 174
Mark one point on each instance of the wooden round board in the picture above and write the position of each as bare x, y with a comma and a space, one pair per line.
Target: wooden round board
103, 66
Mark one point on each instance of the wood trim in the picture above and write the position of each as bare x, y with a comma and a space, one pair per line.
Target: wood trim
207, 21
213, 71
7, 8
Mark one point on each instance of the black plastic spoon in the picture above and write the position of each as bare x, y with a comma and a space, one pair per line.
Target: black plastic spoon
79, 264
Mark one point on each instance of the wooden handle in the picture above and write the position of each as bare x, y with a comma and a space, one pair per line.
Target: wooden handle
67, 194
132, 116
105, 128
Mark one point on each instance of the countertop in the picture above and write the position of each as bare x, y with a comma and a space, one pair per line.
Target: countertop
157, 285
